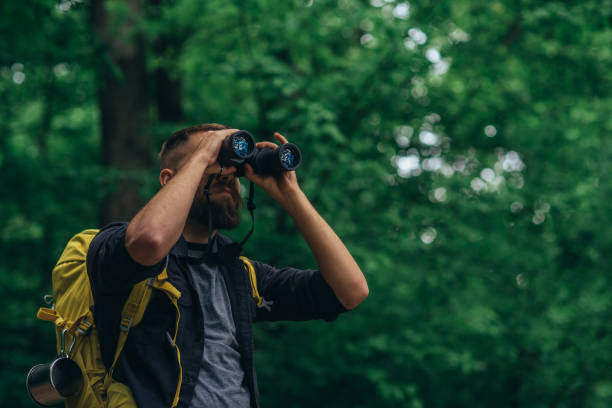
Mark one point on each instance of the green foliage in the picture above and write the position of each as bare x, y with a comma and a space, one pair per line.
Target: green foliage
460, 149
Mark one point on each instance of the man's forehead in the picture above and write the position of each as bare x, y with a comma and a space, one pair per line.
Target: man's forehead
183, 151
194, 138
178, 155
192, 142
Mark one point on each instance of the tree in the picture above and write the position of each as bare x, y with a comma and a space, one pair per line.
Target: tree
459, 149
124, 103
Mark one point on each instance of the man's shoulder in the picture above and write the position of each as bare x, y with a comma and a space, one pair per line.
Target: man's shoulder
111, 229
109, 235
109, 263
114, 225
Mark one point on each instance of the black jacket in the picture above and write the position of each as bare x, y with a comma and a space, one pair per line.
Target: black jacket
149, 362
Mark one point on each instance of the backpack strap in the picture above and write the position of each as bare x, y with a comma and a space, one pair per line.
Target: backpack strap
259, 300
131, 315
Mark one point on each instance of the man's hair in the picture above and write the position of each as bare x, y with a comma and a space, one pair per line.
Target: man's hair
166, 157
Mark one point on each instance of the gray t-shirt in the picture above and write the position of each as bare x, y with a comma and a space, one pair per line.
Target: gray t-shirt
220, 381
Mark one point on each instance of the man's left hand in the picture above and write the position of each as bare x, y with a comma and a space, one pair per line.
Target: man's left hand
284, 187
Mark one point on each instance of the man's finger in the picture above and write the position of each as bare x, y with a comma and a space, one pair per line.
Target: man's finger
280, 138
226, 132
266, 144
214, 168
222, 134
227, 170
250, 174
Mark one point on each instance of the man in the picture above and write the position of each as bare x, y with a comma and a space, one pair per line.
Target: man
201, 355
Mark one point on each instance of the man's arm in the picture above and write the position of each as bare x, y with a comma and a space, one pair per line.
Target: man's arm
335, 262
293, 294
156, 228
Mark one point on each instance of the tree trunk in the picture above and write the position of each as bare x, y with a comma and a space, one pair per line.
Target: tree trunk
168, 97
123, 98
168, 85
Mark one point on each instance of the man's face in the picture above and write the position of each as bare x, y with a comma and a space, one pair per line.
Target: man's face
225, 199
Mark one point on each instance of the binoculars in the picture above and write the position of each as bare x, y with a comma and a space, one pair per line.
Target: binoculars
239, 148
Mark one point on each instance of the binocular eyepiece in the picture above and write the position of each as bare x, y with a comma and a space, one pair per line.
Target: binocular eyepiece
236, 149
239, 148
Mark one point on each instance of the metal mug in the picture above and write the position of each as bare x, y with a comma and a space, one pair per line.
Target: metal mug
53, 382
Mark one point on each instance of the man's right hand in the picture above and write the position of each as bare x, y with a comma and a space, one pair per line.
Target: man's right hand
208, 147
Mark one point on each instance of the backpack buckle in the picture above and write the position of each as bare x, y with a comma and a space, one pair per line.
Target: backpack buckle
126, 323
84, 327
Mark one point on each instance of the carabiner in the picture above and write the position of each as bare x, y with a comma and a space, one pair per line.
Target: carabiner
62, 343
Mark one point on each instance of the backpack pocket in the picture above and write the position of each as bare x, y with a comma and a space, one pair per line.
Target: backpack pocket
119, 395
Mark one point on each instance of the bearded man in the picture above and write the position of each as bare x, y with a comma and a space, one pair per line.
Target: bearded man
198, 351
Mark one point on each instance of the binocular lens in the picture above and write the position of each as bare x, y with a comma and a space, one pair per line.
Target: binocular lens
236, 148
288, 159
240, 146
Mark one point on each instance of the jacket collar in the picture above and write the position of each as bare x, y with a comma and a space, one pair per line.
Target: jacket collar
183, 248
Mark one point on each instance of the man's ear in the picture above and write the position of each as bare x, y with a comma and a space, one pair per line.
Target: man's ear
165, 175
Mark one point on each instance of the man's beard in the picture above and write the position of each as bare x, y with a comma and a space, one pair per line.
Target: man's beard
225, 209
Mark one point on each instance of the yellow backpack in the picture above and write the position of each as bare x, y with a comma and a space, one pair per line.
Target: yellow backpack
72, 314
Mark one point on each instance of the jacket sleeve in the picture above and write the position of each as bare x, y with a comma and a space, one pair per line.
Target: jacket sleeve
110, 266
295, 294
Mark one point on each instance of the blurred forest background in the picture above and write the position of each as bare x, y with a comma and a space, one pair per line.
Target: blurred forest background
460, 148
